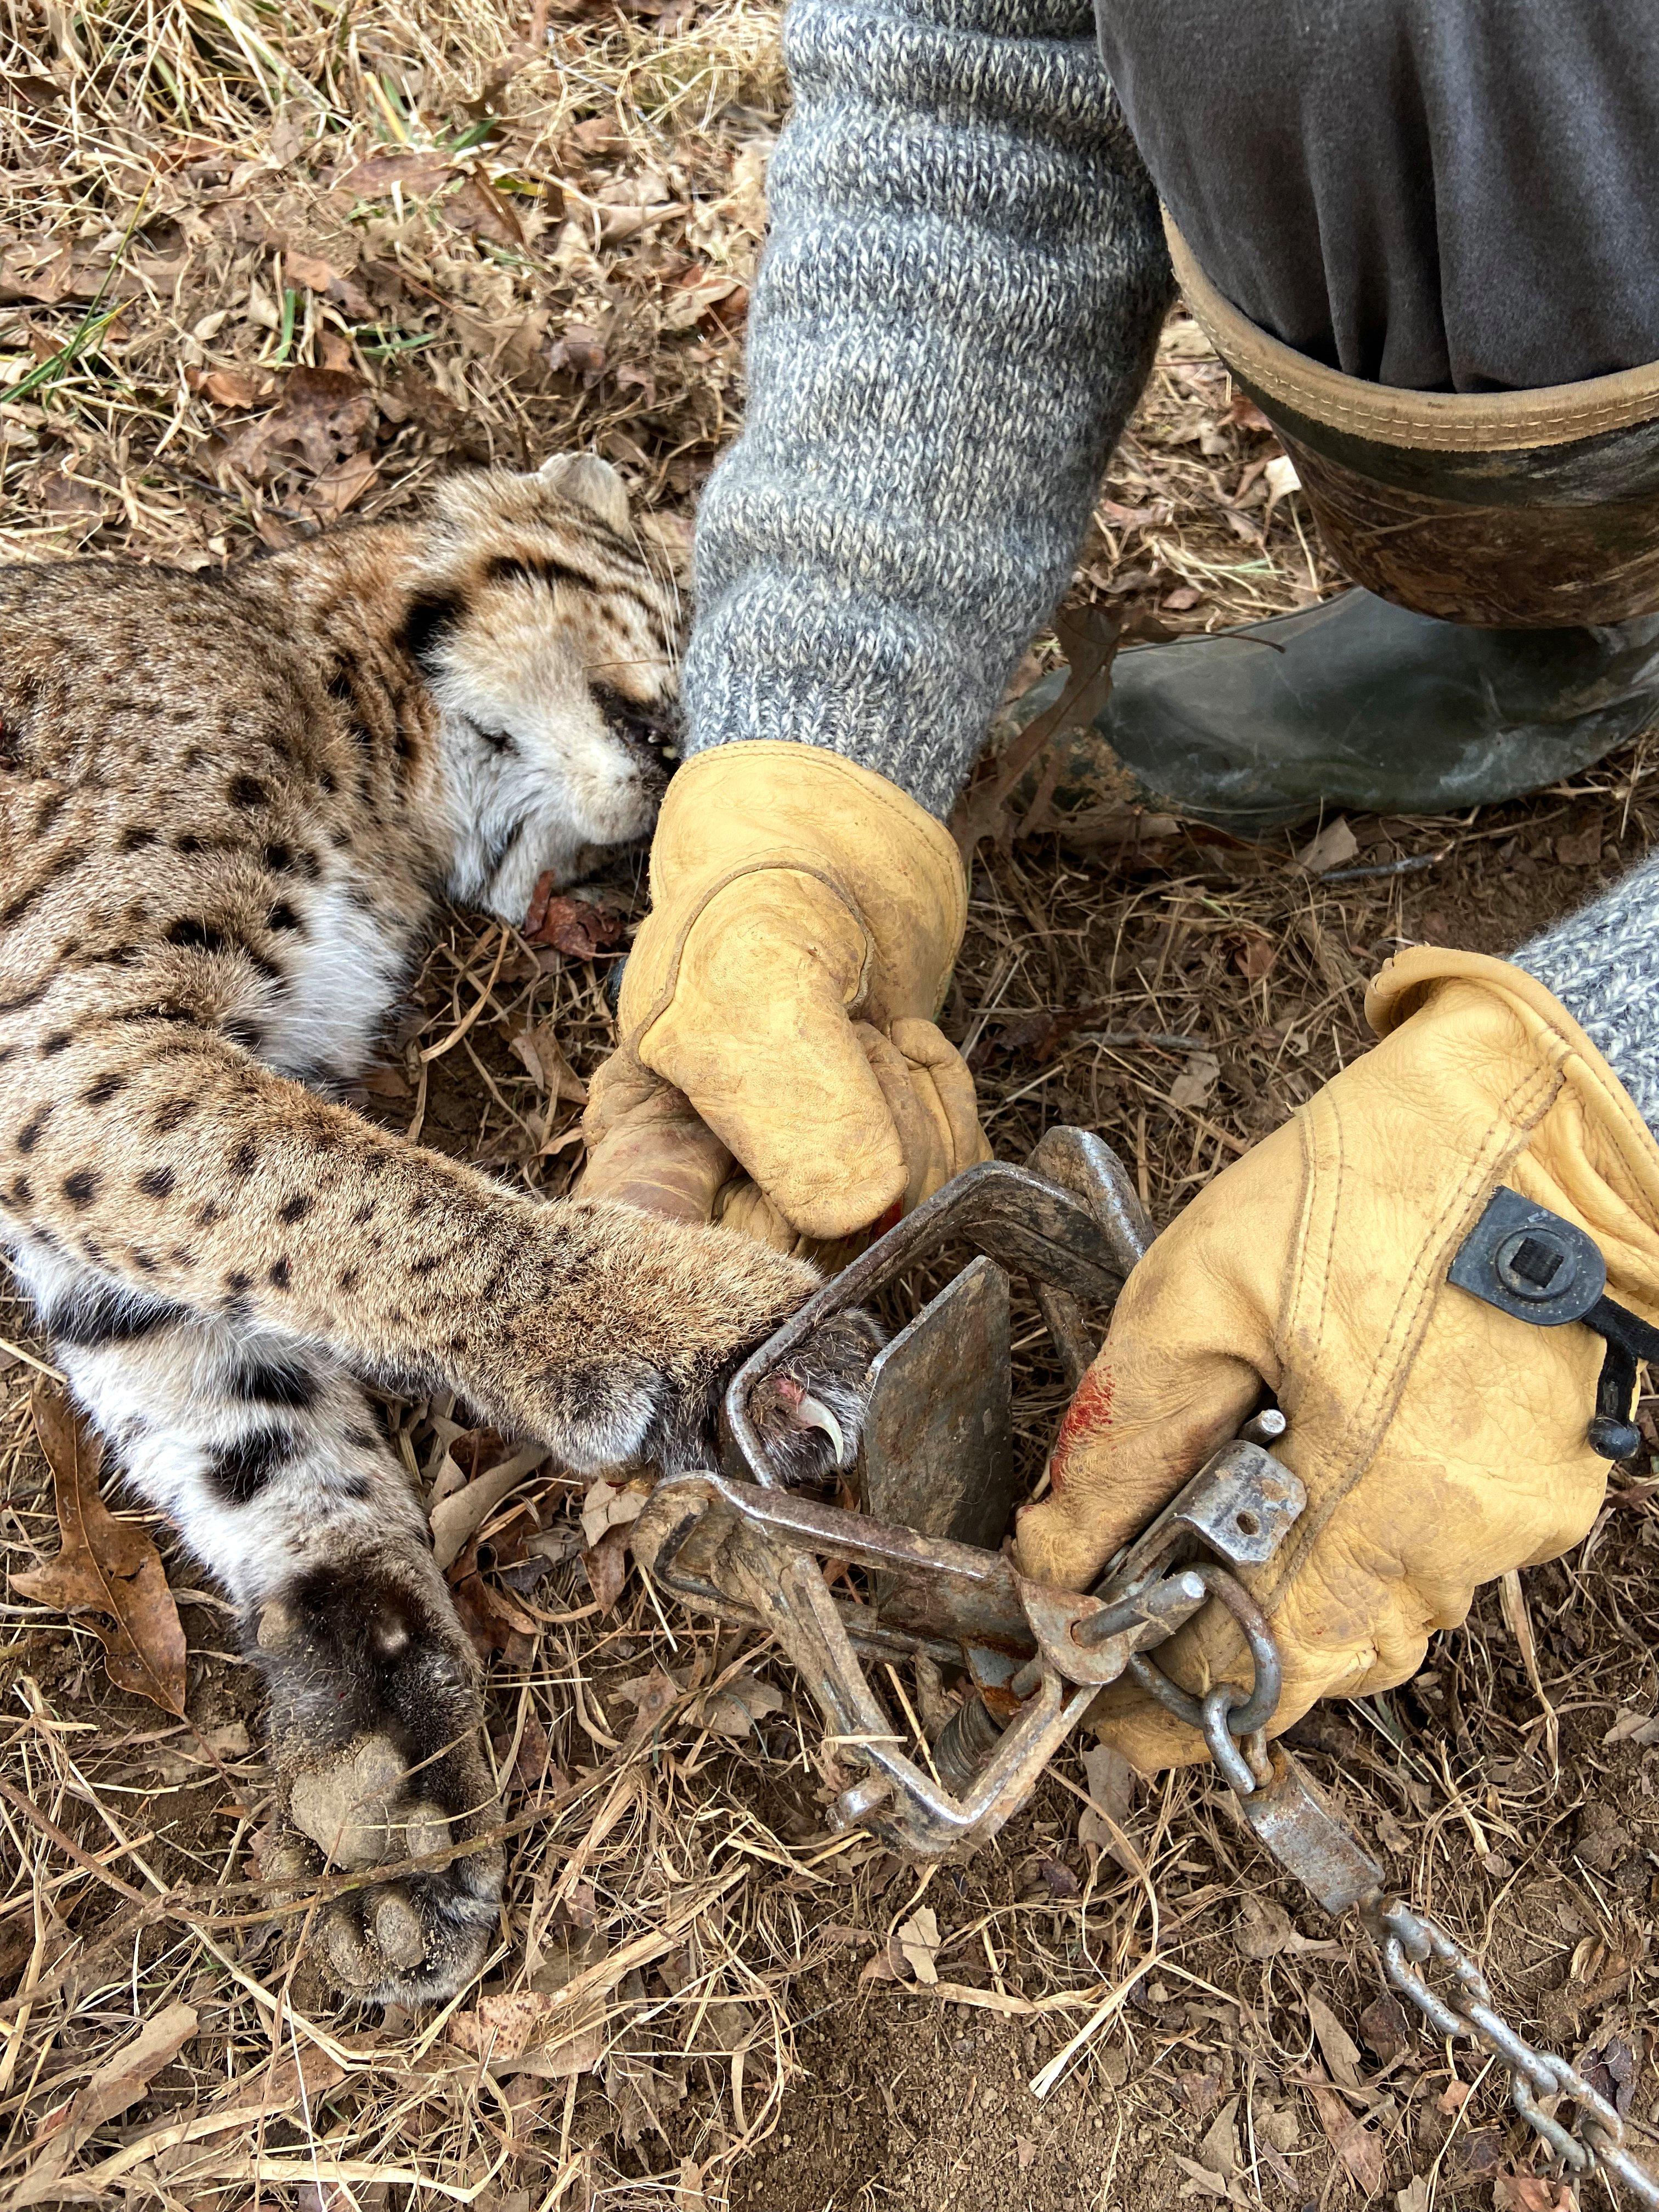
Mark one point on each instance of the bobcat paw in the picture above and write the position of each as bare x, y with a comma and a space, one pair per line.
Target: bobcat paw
374, 1735
668, 1314
412, 1940
809, 1413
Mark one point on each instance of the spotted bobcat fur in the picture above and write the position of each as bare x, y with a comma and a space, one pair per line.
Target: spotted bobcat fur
229, 806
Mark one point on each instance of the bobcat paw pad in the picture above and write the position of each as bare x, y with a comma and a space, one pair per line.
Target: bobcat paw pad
357, 1813
419, 1937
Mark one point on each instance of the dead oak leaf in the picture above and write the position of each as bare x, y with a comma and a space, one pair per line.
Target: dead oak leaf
543, 1054
481, 211
1358, 2146
1338, 2047
1529, 2192
1581, 848
1264, 1929
1254, 955
1334, 846
324, 417
107, 1569
606, 1565
236, 388
418, 174
918, 1941
329, 283
572, 926
735, 1707
1385, 2029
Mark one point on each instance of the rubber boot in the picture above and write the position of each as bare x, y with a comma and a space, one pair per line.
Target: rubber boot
1354, 704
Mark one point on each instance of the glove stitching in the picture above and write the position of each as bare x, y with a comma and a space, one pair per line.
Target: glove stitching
878, 788
1516, 1118
1511, 1125
917, 823
1617, 1121
768, 864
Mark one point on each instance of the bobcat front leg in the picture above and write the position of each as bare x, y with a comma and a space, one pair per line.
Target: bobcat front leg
600, 1331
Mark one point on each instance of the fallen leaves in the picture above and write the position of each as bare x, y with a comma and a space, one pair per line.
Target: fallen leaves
575, 926
418, 174
329, 283
1580, 848
1386, 2030
1196, 1080
323, 424
608, 1516
543, 1054
608, 1505
1216, 2170
107, 1569
606, 1565
1340, 2050
1530, 2192
733, 1709
555, 2027
457, 1518
1254, 954
234, 389
1281, 479
1263, 1929
1104, 1819
698, 293
1334, 846
918, 1939
116, 2086
478, 209
1356, 2143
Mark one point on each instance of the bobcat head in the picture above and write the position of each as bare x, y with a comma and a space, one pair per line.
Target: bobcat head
550, 644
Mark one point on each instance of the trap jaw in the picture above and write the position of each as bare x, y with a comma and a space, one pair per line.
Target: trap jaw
936, 1477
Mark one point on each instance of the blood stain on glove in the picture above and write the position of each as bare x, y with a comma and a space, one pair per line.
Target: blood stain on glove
1088, 1415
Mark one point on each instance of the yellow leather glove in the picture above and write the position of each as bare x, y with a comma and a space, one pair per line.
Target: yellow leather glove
777, 1008
1442, 1441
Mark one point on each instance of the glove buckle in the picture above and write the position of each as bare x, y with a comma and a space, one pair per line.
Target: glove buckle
1529, 1263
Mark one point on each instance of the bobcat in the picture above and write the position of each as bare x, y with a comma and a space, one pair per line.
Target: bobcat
230, 805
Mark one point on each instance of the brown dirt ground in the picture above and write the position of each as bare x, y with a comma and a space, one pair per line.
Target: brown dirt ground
554, 250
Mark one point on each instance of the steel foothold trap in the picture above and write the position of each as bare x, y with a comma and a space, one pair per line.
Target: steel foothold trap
936, 1479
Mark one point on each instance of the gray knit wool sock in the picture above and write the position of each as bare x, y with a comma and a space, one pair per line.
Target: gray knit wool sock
1602, 963
956, 310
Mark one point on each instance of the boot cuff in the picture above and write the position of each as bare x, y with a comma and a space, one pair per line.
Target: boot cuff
1506, 509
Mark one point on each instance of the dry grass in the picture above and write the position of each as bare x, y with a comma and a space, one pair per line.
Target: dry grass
552, 248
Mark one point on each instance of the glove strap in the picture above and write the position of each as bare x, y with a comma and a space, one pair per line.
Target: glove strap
1530, 1263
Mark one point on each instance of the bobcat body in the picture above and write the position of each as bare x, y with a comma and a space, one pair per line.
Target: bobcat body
229, 807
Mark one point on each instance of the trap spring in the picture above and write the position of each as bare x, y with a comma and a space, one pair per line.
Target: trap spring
936, 1481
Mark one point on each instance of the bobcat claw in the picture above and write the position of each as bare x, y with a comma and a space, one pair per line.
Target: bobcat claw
813, 1414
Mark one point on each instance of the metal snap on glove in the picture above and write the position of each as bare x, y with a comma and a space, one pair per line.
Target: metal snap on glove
1441, 1439
777, 1008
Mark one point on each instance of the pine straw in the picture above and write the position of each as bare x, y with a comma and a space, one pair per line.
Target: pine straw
569, 267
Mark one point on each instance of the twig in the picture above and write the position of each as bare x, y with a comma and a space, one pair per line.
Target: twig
1415, 865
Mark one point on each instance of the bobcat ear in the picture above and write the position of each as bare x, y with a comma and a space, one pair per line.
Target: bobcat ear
594, 482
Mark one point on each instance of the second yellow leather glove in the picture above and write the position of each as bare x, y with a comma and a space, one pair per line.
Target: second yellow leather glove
777, 1008
1442, 1441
